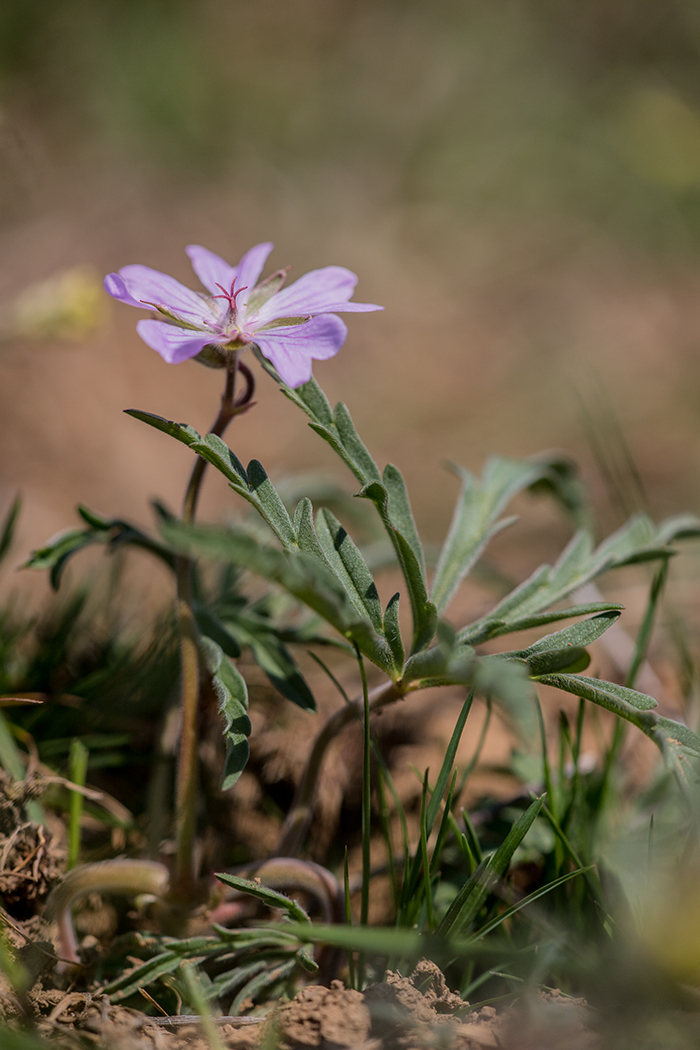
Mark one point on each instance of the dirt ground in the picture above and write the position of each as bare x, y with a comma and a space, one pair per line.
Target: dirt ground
401, 1013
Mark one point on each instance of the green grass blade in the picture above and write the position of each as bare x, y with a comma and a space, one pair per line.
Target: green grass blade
529, 899
77, 770
647, 625
425, 864
448, 761
348, 920
198, 1000
471, 897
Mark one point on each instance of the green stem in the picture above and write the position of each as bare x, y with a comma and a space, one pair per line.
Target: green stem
77, 767
186, 785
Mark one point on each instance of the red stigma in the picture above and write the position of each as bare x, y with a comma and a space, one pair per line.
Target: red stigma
232, 295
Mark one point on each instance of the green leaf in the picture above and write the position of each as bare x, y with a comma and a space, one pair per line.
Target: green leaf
400, 512
127, 984
209, 624
114, 533
678, 744
306, 531
182, 431
55, 555
263, 981
255, 487
579, 563
228, 982
488, 629
311, 399
679, 527
273, 657
217, 452
300, 574
562, 481
491, 676
681, 749
424, 612
389, 497
349, 565
272, 898
474, 522
617, 698
392, 631
365, 469
572, 659
337, 428
271, 504
470, 899
232, 695
260, 492
578, 634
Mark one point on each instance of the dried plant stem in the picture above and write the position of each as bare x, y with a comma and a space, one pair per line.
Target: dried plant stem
186, 789
116, 876
299, 816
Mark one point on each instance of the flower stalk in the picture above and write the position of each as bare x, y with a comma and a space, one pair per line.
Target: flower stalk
190, 683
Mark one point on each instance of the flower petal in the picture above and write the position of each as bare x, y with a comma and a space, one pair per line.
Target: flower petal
211, 269
291, 350
141, 286
319, 291
173, 344
249, 269
114, 286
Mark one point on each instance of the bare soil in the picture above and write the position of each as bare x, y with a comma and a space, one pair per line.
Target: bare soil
401, 1013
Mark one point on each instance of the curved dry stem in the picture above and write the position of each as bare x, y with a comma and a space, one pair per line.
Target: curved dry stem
107, 876
299, 817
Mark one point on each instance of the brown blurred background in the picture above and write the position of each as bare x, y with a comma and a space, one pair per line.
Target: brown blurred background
518, 183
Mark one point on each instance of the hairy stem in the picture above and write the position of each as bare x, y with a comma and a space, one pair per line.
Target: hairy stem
107, 876
299, 817
186, 788
366, 812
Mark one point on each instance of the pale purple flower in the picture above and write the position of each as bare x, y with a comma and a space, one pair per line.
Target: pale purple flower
290, 326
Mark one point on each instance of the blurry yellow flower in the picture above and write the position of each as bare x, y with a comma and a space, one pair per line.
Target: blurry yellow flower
70, 305
659, 134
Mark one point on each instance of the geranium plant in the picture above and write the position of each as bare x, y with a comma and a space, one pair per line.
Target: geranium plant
310, 556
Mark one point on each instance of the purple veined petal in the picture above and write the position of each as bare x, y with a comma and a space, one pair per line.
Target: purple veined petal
145, 286
291, 350
249, 269
114, 286
316, 292
211, 269
173, 344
